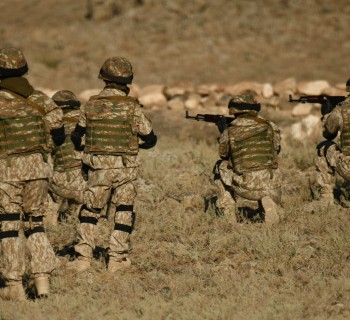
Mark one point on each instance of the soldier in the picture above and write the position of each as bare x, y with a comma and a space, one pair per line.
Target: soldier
334, 157
27, 117
115, 128
248, 168
67, 183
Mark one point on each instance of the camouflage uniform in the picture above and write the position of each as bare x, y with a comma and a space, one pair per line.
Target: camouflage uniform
115, 127
334, 157
67, 183
248, 169
27, 118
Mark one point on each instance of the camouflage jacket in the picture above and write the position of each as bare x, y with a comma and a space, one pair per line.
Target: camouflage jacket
32, 166
333, 121
224, 141
143, 127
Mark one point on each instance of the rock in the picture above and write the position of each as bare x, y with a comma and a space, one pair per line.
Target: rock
152, 96
302, 109
208, 101
171, 92
176, 104
207, 89
86, 94
313, 87
153, 100
306, 127
285, 87
333, 91
267, 90
193, 101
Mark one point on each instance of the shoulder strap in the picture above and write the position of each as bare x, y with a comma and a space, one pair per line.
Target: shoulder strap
113, 98
36, 106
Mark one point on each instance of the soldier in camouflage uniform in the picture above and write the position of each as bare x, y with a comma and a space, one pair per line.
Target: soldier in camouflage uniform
334, 157
27, 118
248, 168
67, 183
115, 128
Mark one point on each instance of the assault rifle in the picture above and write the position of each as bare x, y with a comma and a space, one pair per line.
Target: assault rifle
328, 103
220, 120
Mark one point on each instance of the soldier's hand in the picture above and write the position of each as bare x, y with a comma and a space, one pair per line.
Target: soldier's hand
221, 124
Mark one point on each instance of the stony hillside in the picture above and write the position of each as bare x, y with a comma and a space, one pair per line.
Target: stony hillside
168, 41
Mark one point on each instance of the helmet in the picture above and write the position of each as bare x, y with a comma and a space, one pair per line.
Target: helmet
66, 98
244, 102
348, 85
12, 63
117, 69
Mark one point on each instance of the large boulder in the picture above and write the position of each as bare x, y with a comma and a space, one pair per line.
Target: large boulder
176, 104
334, 91
193, 101
266, 90
152, 97
313, 87
285, 87
174, 91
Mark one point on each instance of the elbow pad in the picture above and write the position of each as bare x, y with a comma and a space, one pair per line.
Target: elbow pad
76, 136
150, 140
58, 136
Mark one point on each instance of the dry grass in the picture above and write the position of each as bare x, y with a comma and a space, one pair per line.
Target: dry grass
189, 264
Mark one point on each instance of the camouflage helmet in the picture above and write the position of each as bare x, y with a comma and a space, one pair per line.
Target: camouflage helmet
12, 63
66, 98
244, 102
348, 85
117, 69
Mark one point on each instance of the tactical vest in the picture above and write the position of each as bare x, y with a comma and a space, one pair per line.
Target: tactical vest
22, 128
252, 147
345, 134
110, 126
64, 155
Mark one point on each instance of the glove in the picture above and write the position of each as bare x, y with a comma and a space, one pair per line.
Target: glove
221, 124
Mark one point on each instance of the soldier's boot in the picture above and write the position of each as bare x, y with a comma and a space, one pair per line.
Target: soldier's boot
270, 209
117, 265
42, 286
80, 264
14, 292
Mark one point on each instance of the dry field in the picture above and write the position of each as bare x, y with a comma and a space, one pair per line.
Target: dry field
189, 263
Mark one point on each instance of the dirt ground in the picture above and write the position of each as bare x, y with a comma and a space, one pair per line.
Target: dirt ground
172, 41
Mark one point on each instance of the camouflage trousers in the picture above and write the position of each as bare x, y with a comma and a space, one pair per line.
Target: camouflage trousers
235, 190
330, 160
116, 187
66, 193
21, 207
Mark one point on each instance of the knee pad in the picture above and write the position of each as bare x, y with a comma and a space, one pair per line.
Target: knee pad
32, 224
13, 232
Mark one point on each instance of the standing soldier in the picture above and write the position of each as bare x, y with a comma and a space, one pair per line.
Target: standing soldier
67, 183
26, 118
115, 128
334, 158
248, 168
